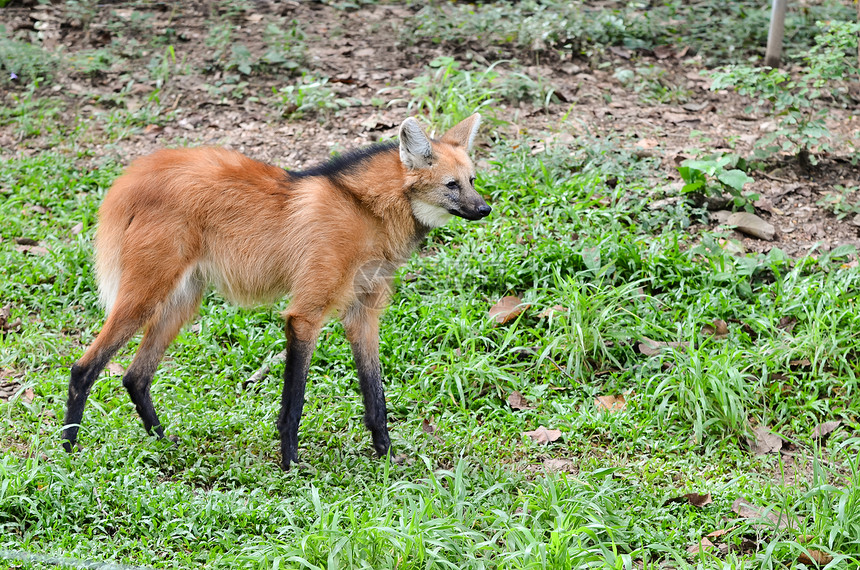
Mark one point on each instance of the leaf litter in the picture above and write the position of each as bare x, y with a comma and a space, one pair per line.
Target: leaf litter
747, 510
651, 347
519, 402
823, 430
719, 329
695, 499
764, 441
610, 403
543, 436
507, 309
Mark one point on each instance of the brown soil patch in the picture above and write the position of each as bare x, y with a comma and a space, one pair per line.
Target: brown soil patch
364, 53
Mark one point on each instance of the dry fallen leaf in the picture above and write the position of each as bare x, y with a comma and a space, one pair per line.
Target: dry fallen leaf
427, 427
676, 118
115, 369
550, 311
765, 441
647, 143
662, 52
34, 249
699, 500
5, 325
650, 347
610, 403
704, 544
28, 395
821, 431
748, 511
558, 464
695, 499
787, 323
8, 389
621, 52
377, 122
816, 557
720, 329
507, 309
518, 402
543, 435
721, 532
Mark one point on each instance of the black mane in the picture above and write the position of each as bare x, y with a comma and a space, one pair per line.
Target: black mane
344, 163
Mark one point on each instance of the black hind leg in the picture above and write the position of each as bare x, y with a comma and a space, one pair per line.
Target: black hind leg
118, 330
158, 335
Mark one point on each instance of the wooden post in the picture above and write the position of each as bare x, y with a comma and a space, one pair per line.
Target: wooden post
776, 33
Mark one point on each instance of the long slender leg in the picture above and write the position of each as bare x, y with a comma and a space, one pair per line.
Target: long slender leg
301, 338
362, 329
158, 336
118, 330
145, 292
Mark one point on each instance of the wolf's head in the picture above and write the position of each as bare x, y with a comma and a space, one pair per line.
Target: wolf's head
440, 174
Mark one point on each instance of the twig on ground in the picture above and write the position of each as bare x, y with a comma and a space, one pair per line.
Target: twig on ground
777, 178
264, 369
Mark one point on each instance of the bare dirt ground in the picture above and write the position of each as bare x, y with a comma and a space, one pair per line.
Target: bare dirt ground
367, 51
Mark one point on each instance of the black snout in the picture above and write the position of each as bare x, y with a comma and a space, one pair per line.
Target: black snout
475, 213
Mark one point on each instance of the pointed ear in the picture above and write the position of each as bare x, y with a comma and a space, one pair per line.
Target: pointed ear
463, 133
415, 148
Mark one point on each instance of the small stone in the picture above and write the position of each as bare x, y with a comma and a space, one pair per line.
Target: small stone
719, 217
751, 224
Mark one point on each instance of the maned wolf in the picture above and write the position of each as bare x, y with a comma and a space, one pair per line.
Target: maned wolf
179, 220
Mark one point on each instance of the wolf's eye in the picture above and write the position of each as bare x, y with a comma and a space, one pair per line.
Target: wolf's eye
453, 185
472, 181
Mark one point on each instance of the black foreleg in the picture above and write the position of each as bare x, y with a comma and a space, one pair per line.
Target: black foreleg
362, 330
301, 338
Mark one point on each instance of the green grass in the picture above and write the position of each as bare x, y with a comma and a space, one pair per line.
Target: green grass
570, 228
446, 94
535, 27
474, 492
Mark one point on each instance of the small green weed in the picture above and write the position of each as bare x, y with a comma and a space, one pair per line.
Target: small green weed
285, 48
310, 95
843, 201
127, 117
652, 85
229, 87
81, 12
32, 116
516, 86
446, 94
127, 28
795, 101
92, 62
29, 62
710, 178
234, 9
161, 66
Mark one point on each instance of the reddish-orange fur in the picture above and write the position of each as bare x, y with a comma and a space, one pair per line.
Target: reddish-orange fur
179, 219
